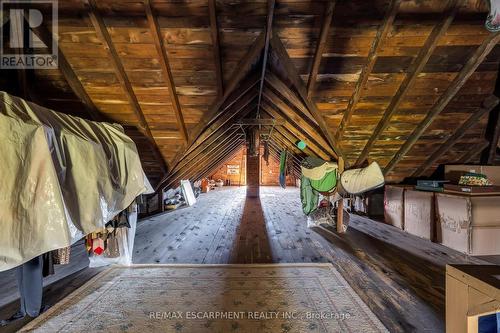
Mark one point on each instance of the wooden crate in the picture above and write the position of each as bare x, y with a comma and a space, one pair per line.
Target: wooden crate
472, 291
419, 219
469, 224
394, 205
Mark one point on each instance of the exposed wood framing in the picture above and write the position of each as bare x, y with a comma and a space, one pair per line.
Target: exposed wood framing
224, 116
286, 62
492, 151
243, 67
215, 159
320, 46
297, 121
119, 70
297, 131
473, 152
167, 72
69, 74
469, 68
209, 153
416, 68
239, 109
269, 27
367, 69
216, 164
263, 122
488, 105
214, 30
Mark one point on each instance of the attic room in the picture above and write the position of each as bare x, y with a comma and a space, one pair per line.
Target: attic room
250, 166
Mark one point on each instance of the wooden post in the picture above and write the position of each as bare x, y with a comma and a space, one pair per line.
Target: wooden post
340, 209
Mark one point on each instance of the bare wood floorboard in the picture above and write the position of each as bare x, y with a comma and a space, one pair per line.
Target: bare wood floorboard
399, 276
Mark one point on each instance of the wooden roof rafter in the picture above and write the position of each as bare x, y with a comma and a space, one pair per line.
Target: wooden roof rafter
69, 74
489, 103
467, 70
119, 70
214, 30
367, 69
244, 66
320, 46
416, 68
154, 27
269, 27
297, 82
217, 163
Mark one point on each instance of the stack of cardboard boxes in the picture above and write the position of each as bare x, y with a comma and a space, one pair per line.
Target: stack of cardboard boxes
469, 223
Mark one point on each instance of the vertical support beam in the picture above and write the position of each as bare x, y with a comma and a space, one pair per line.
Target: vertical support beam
103, 34
417, 66
167, 72
320, 46
253, 164
367, 69
214, 29
494, 141
469, 68
340, 208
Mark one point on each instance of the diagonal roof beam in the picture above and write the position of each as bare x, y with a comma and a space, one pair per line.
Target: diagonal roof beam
469, 68
417, 66
69, 74
473, 152
243, 67
214, 30
228, 155
269, 27
320, 47
367, 69
165, 65
294, 77
488, 104
119, 70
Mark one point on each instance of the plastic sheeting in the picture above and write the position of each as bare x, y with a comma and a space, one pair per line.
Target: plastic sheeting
61, 177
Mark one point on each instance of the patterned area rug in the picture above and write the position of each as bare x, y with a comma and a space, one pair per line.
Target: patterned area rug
212, 298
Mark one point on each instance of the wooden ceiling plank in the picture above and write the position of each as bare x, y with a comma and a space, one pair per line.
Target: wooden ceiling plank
178, 174
214, 30
165, 65
205, 163
69, 74
241, 110
416, 68
320, 46
293, 75
214, 166
269, 27
243, 90
242, 69
473, 152
467, 70
298, 131
298, 122
103, 34
367, 69
488, 105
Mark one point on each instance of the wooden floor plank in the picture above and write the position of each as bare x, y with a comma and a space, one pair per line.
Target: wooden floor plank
399, 276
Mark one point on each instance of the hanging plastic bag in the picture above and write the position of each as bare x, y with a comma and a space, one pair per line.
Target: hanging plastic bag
120, 246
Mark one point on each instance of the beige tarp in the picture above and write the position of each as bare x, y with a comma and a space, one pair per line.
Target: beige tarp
61, 177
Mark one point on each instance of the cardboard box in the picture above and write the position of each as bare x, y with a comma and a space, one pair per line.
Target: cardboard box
453, 172
419, 219
469, 224
394, 205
